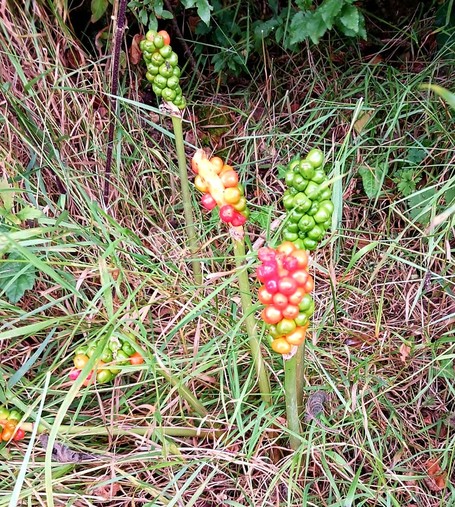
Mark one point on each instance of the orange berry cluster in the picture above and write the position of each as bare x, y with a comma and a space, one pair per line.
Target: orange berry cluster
9, 419
220, 185
285, 293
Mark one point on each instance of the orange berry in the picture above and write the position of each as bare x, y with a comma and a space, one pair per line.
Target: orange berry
281, 346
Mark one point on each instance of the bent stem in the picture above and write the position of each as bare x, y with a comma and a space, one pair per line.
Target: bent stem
250, 321
293, 395
186, 197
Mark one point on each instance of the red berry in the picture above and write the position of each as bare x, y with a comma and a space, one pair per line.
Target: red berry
287, 285
238, 219
208, 202
264, 296
266, 254
290, 263
267, 271
20, 434
227, 213
272, 285
280, 301
74, 373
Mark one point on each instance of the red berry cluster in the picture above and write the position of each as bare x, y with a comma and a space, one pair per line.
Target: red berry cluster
220, 185
285, 293
9, 419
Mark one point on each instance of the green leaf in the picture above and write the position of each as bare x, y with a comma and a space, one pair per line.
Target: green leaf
350, 18
203, 8
329, 10
308, 24
6, 195
29, 213
449, 97
99, 7
416, 155
420, 205
16, 277
371, 182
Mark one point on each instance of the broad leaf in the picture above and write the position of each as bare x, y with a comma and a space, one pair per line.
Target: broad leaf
371, 181
350, 18
329, 10
203, 8
420, 206
308, 24
16, 277
98, 9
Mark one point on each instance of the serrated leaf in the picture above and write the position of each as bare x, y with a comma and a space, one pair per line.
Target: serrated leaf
329, 10
371, 182
98, 7
16, 277
449, 97
308, 24
350, 18
29, 213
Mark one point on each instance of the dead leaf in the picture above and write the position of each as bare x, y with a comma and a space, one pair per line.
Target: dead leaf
360, 124
135, 51
405, 350
437, 478
106, 491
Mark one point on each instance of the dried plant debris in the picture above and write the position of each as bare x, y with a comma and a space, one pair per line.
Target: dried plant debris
315, 406
63, 454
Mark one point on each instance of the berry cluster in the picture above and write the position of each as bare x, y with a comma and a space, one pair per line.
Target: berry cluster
220, 185
162, 67
286, 294
118, 352
9, 419
308, 201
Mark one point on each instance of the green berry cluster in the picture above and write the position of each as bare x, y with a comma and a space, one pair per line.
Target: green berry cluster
117, 352
163, 71
307, 201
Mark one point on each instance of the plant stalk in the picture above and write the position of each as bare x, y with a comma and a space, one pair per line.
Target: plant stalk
299, 377
136, 430
186, 196
250, 321
292, 395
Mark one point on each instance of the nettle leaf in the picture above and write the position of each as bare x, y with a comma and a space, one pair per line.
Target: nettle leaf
329, 10
371, 181
16, 277
350, 18
307, 24
99, 7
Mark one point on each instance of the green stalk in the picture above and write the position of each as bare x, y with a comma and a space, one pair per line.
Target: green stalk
183, 390
250, 321
186, 196
136, 430
292, 395
299, 380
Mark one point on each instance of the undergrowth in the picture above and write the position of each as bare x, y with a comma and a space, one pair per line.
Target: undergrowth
382, 340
